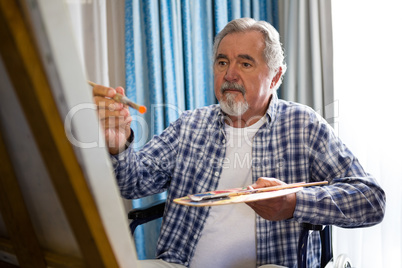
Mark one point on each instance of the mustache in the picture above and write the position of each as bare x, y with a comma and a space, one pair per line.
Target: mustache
231, 85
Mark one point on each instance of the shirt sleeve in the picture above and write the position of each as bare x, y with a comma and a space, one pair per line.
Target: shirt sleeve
148, 171
353, 197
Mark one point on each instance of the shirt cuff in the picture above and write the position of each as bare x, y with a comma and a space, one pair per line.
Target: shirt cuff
305, 210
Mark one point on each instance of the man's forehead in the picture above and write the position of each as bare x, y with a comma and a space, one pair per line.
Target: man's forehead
239, 56
250, 36
242, 43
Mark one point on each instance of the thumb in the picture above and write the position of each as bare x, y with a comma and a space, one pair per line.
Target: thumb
263, 182
120, 90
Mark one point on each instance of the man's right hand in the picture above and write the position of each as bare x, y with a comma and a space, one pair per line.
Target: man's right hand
115, 117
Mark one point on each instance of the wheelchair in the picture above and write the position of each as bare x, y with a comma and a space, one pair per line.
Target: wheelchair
156, 209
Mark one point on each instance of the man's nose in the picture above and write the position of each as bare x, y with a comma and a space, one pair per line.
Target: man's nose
232, 73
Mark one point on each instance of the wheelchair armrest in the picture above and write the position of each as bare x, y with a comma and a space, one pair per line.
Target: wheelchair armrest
146, 214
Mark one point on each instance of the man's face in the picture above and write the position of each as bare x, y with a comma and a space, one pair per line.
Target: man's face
240, 66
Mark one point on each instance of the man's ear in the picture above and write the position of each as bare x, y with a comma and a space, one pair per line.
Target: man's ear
276, 78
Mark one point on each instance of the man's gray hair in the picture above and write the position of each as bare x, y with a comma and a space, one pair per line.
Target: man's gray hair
273, 52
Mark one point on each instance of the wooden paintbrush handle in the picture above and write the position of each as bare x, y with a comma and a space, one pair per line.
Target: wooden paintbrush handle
123, 99
278, 187
289, 186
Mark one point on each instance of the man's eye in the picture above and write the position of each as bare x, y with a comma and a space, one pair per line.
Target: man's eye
222, 63
246, 64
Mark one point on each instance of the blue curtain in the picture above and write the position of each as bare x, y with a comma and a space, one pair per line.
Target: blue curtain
169, 67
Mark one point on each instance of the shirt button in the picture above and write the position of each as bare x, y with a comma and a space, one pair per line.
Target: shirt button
216, 173
186, 264
223, 141
195, 236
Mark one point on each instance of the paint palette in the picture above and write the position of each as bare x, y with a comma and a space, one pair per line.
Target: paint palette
227, 197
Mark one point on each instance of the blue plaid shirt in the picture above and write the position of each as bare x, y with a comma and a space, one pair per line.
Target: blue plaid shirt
294, 145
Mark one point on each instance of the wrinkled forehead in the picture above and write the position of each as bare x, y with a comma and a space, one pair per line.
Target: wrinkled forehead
247, 45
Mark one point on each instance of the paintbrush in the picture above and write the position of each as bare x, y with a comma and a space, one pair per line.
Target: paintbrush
207, 196
123, 99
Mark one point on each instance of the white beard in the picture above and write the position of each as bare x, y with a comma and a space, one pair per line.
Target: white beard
232, 107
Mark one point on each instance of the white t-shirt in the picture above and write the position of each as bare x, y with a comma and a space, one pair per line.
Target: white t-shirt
228, 238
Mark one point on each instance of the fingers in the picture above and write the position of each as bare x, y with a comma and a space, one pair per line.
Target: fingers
103, 96
106, 103
111, 113
117, 132
116, 122
110, 118
114, 117
120, 90
263, 182
111, 109
116, 138
103, 91
275, 209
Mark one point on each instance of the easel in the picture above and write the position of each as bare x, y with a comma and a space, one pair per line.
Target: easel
81, 180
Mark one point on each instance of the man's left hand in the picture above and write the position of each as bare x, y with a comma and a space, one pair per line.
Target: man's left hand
274, 209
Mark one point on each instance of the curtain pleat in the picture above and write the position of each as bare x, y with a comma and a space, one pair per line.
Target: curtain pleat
150, 19
221, 18
234, 9
272, 12
187, 55
172, 88
305, 30
246, 8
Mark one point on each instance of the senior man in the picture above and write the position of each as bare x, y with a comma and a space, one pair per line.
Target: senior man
250, 138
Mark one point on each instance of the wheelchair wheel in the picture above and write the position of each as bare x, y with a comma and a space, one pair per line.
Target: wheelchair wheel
343, 261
